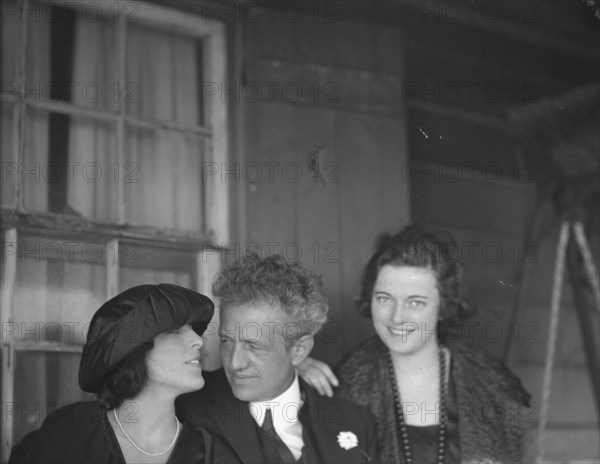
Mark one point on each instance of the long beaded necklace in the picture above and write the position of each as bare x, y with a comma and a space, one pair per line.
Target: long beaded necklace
403, 430
140, 449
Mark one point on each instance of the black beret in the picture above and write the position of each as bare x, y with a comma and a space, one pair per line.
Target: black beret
134, 317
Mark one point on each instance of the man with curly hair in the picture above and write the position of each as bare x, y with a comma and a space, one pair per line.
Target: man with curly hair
271, 309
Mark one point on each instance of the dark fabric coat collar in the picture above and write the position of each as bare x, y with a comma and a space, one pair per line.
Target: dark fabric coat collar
492, 402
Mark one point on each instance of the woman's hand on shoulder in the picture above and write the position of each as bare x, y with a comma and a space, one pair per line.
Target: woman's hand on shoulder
318, 375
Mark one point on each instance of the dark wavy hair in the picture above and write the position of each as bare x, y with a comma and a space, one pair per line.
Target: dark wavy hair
127, 379
298, 291
415, 247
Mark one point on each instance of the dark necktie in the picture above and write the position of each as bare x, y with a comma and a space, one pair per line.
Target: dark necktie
282, 450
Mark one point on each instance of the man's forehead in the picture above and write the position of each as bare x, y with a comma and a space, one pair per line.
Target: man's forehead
262, 310
261, 322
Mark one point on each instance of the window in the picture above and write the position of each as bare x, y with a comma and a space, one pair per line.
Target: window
104, 133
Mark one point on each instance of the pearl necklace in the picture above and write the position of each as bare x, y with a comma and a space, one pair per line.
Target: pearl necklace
398, 405
162, 453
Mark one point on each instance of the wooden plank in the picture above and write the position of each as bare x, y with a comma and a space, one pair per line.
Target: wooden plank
369, 205
313, 39
565, 409
569, 445
9, 276
325, 86
237, 36
217, 193
531, 333
365, 147
8, 153
443, 136
460, 196
318, 218
113, 264
267, 176
270, 39
55, 225
121, 139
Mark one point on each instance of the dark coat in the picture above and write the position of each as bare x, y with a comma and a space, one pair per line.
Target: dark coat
216, 408
80, 433
492, 405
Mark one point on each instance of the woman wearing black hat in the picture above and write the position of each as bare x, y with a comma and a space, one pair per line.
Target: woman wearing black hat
142, 351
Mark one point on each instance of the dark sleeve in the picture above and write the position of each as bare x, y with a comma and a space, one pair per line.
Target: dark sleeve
21, 451
217, 451
73, 434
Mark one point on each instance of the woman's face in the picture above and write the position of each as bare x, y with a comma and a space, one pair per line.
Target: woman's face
405, 307
175, 361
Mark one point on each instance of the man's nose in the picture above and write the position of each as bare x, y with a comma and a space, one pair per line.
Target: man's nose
237, 357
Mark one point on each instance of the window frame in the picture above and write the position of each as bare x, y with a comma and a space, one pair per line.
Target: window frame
18, 220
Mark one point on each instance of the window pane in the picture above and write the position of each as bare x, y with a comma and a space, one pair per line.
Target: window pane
11, 28
146, 265
60, 284
44, 382
167, 68
70, 56
10, 168
73, 171
166, 190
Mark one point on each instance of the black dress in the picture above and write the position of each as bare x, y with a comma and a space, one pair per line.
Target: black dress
81, 433
424, 440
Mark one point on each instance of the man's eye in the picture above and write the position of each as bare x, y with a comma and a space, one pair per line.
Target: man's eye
382, 299
417, 303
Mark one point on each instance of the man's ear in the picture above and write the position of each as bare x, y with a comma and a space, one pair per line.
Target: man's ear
302, 348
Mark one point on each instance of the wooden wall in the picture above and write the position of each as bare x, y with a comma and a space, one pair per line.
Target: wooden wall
457, 147
351, 121
388, 117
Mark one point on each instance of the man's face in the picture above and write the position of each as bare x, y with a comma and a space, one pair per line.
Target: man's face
256, 360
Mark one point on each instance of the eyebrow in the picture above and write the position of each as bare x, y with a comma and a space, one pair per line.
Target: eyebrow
239, 338
377, 292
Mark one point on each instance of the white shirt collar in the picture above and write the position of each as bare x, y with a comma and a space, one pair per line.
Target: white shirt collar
284, 408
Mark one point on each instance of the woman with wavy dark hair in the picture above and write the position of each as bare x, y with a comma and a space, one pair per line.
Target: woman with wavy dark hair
434, 401
142, 351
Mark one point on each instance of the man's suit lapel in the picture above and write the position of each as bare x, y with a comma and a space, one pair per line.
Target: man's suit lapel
322, 422
242, 436
237, 428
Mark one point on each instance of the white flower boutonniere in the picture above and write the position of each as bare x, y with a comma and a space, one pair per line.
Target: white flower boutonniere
347, 440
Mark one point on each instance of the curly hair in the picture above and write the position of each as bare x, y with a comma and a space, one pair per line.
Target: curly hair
127, 379
297, 291
415, 247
